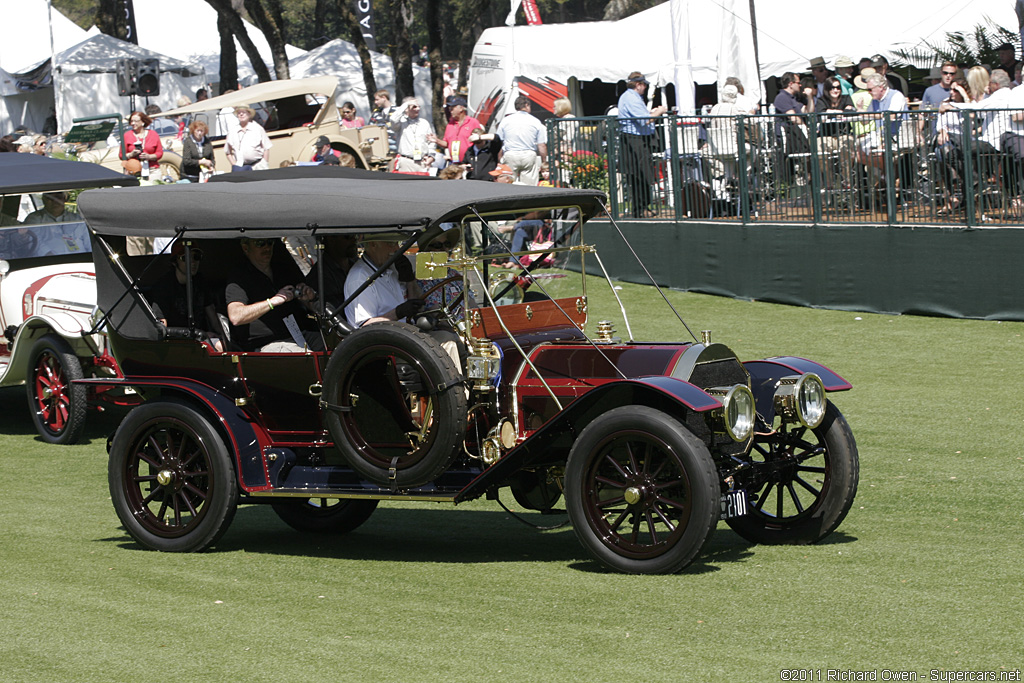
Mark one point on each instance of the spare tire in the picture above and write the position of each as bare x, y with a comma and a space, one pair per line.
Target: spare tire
394, 404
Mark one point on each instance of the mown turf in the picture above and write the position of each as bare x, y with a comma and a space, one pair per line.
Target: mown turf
924, 574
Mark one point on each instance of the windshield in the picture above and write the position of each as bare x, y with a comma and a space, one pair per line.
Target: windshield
34, 225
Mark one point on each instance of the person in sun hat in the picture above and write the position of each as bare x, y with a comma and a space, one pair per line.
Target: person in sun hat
844, 72
247, 147
819, 69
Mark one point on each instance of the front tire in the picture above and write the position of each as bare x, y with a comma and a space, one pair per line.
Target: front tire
324, 515
56, 403
811, 488
171, 479
641, 491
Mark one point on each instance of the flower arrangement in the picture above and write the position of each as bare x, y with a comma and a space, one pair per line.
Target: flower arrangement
588, 170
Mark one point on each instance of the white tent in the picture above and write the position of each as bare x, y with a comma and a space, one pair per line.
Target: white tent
787, 40
87, 79
26, 42
190, 35
340, 58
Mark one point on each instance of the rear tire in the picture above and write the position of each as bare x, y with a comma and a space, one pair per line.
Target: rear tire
324, 515
642, 491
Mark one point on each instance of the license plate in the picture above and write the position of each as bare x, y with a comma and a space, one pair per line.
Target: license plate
734, 504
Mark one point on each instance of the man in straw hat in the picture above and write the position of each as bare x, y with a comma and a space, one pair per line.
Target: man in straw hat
247, 147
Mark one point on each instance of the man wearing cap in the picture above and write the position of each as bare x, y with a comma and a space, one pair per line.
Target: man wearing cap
482, 157
637, 134
897, 82
524, 141
456, 135
247, 147
323, 152
1007, 58
502, 173
413, 133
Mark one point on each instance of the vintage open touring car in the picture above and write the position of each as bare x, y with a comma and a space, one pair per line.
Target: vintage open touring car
48, 291
649, 443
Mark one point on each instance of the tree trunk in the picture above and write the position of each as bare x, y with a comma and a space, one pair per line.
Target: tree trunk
237, 27
269, 20
319, 20
433, 24
401, 12
228, 57
469, 21
348, 17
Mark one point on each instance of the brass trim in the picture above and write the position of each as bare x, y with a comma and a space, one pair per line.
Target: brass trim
529, 312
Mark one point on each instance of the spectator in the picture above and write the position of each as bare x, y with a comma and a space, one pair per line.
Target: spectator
977, 83
381, 116
456, 134
883, 99
636, 125
939, 93
790, 104
323, 152
524, 141
1007, 55
994, 121
392, 296
562, 108
820, 72
263, 295
163, 126
413, 134
844, 72
896, 81
503, 174
349, 118
196, 153
483, 156
202, 94
948, 150
142, 148
247, 147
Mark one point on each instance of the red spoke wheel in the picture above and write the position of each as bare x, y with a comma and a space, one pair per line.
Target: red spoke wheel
56, 404
810, 488
171, 480
641, 491
324, 515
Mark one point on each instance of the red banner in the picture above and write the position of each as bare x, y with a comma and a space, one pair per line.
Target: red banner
532, 13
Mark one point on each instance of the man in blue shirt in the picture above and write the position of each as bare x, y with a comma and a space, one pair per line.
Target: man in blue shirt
637, 137
939, 93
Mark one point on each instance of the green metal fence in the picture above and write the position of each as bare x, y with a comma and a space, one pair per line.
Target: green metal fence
961, 167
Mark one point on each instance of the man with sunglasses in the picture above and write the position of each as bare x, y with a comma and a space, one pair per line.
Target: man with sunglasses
939, 93
169, 296
264, 301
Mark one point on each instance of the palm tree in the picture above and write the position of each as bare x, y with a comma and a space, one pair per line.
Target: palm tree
967, 49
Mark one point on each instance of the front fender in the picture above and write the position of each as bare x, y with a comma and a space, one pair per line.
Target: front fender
554, 439
765, 375
66, 326
245, 440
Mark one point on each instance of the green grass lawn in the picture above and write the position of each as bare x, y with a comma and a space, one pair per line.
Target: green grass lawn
925, 573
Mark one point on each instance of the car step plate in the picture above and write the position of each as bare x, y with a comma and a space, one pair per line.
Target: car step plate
734, 504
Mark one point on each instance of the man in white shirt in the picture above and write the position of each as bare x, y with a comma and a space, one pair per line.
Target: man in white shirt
386, 298
411, 132
524, 142
248, 147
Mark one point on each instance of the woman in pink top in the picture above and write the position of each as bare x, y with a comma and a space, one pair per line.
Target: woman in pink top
140, 144
349, 118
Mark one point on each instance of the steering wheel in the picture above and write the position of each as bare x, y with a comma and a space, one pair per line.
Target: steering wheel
445, 310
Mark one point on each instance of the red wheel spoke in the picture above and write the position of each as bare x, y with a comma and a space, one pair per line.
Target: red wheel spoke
610, 503
618, 520
665, 520
617, 466
611, 482
671, 503
814, 491
651, 528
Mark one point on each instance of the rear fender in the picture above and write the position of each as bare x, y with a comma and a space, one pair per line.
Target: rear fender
32, 329
765, 375
554, 439
243, 438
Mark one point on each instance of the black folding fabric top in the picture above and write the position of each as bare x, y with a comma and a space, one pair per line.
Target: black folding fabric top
348, 203
22, 173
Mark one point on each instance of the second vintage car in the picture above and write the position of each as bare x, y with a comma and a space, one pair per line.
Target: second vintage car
650, 443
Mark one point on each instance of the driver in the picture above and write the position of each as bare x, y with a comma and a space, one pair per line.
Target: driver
264, 301
392, 296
